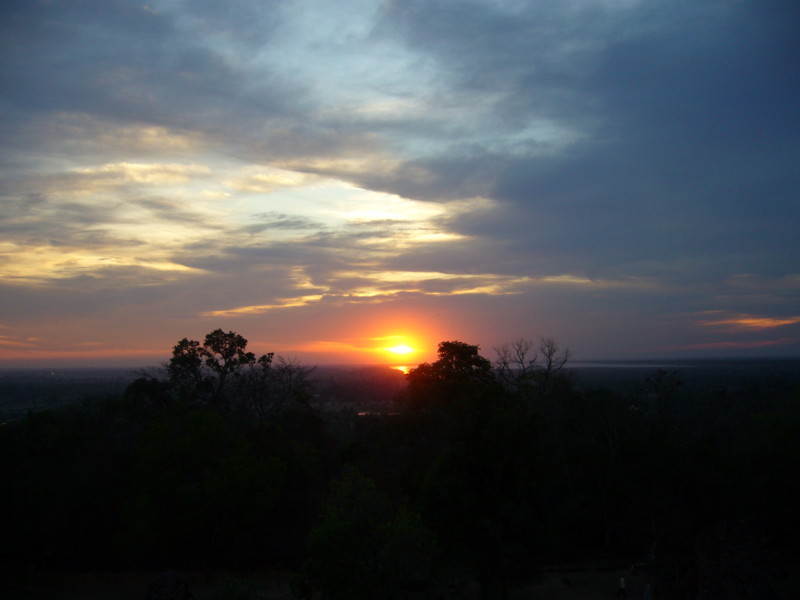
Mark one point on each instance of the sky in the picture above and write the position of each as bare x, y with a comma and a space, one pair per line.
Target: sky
330, 179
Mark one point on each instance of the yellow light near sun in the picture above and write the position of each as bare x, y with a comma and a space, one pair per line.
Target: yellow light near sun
401, 349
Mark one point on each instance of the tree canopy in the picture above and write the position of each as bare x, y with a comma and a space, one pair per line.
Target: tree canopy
485, 473
221, 373
460, 372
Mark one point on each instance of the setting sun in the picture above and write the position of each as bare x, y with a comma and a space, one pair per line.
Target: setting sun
397, 348
401, 349
397, 345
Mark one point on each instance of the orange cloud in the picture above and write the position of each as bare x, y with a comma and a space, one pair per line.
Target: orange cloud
751, 322
6, 341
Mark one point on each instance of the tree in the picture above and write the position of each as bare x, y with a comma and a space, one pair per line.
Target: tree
478, 495
221, 373
225, 356
459, 373
519, 368
203, 373
185, 368
272, 385
365, 548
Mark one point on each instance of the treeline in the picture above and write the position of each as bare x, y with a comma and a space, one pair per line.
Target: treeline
486, 472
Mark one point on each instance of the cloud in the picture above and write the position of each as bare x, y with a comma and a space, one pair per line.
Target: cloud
148, 174
750, 322
614, 169
278, 221
266, 182
6, 341
262, 308
655, 96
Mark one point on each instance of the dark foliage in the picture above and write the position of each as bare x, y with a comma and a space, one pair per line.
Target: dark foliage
365, 547
484, 472
169, 474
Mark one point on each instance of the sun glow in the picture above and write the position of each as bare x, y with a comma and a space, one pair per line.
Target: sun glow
400, 349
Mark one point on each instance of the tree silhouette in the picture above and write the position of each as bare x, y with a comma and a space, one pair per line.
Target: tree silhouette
185, 368
225, 356
220, 373
478, 494
530, 374
459, 373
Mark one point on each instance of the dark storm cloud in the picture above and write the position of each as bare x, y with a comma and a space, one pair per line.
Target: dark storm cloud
688, 118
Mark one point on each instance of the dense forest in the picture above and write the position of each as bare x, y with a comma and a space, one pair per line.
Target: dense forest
484, 471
